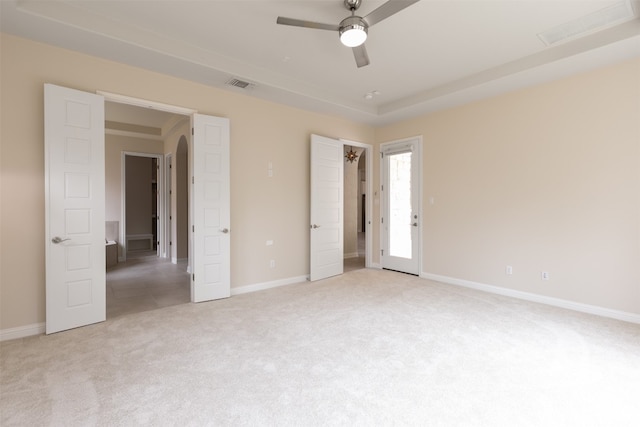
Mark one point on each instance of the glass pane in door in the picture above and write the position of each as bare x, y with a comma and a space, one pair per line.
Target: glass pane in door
400, 205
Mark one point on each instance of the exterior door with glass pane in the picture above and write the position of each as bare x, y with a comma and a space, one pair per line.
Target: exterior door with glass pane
401, 207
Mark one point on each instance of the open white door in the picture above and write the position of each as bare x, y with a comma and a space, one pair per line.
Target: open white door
327, 169
74, 208
210, 224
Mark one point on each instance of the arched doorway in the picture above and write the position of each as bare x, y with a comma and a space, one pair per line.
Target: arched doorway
181, 230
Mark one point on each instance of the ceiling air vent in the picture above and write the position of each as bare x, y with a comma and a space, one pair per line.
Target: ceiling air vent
240, 83
607, 17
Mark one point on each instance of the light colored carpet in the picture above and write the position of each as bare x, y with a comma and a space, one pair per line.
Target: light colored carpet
368, 348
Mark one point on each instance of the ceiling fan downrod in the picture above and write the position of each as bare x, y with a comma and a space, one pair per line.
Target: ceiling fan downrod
352, 5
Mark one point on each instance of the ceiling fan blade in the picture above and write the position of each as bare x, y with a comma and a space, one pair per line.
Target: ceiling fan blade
306, 24
386, 10
360, 53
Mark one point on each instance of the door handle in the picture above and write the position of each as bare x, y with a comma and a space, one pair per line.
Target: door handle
415, 224
315, 226
225, 230
57, 240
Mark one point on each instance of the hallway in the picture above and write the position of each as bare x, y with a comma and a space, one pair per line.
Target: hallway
146, 282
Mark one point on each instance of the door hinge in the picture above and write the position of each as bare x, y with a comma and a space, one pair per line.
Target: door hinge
382, 220
170, 217
170, 193
381, 155
170, 243
382, 187
193, 179
170, 166
382, 252
192, 133
194, 277
193, 228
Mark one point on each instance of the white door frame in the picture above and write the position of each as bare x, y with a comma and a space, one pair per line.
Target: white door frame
159, 201
416, 142
368, 149
128, 100
168, 187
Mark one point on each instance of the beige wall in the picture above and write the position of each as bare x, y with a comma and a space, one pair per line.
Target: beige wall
262, 208
546, 178
179, 185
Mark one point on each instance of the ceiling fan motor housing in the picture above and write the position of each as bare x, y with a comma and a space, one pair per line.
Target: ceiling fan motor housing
352, 4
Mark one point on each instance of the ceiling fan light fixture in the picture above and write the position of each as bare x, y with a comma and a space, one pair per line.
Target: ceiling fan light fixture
353, 31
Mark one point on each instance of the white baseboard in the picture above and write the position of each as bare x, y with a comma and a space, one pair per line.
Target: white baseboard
22, 331
268, 285
556, 302
351, 255
175, 260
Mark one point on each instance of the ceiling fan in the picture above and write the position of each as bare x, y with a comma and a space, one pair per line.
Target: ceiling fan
353, 29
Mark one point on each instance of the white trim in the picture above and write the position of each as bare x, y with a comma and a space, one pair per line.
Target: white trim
133, 134
160, 227
351, 255
268, 285
168, 237
376, 265
556, 302
411, 144
123, 99
22, 332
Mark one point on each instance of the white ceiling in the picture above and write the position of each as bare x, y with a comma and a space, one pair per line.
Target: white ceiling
432, 55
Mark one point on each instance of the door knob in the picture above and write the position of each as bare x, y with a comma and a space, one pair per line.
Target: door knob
225, 230
315, 226
57, 240
415, 224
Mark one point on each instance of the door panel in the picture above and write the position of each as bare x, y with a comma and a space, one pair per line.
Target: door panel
401, 231
211, 217
74, 209
326, 233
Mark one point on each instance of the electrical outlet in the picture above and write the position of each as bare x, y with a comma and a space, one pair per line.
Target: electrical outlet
509, 270
545, 275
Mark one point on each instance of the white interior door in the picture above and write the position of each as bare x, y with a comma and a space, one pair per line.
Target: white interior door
74, 208
326, 233
401, 217
211, 215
